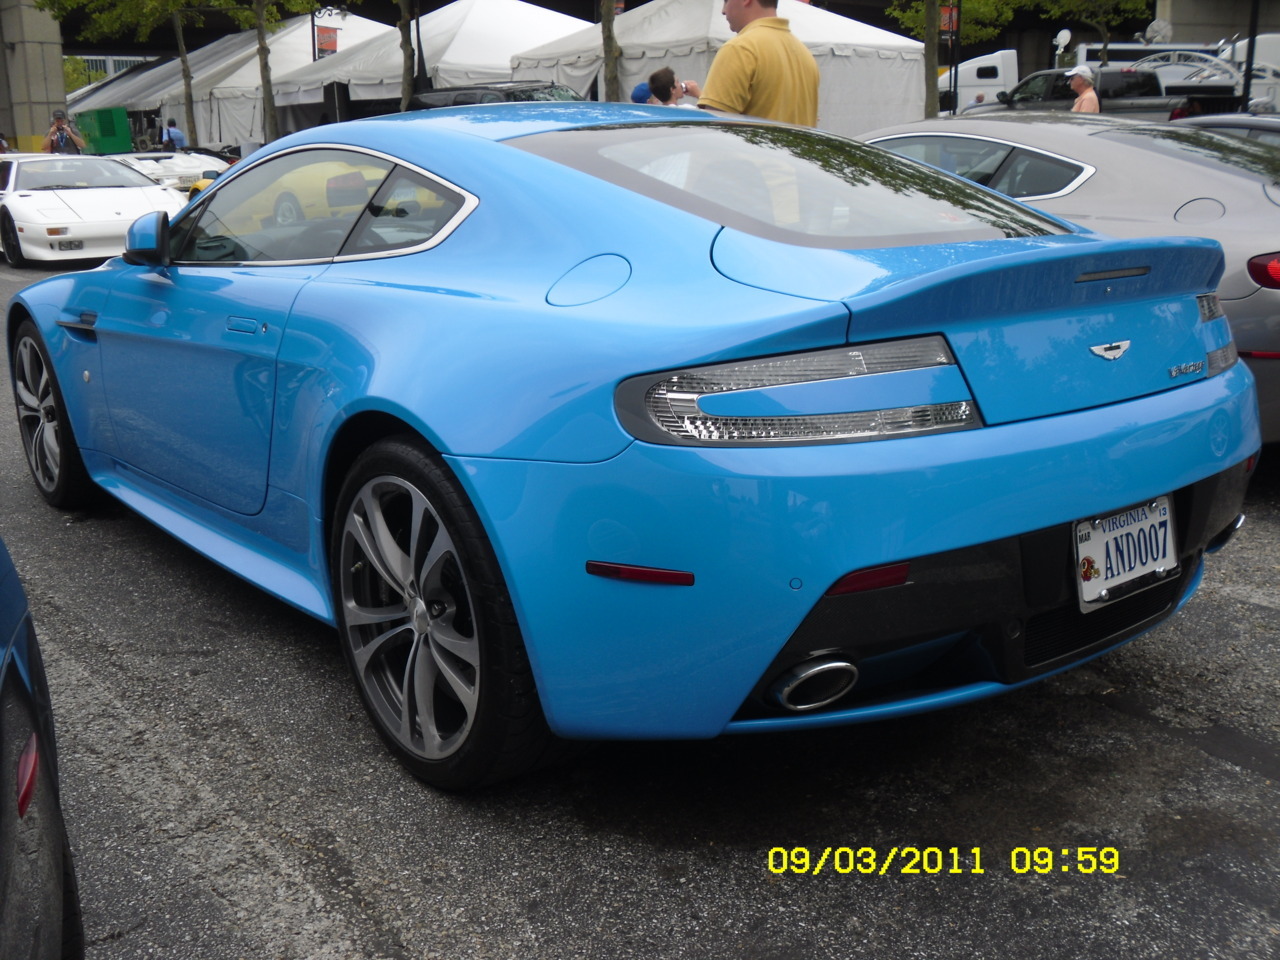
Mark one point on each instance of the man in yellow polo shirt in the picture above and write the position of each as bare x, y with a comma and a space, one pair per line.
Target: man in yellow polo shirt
764, 71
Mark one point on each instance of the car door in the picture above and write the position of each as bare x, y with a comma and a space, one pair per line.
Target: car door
189, 350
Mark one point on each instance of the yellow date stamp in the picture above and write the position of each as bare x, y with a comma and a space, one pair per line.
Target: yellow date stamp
932, 861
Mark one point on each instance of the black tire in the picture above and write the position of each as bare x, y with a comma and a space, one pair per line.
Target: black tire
427, 626
47, 438
72, 917
9, 240
287, 210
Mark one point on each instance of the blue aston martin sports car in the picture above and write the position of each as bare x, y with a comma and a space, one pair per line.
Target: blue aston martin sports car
587, 421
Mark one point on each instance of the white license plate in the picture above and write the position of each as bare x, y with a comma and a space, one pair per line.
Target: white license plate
70, 244
1125, 552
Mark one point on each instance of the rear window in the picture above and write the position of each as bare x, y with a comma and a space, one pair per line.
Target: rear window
796, 186
1246, 158
1130, 83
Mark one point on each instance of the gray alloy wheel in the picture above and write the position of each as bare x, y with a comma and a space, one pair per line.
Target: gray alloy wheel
409, 615
47, 439
427, 626
287, 210
9, 240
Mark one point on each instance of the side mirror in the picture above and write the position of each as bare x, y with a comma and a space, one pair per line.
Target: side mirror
147, 241
1003, 96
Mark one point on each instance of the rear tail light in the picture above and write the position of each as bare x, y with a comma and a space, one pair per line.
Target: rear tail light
28, 773
1265, 270
873, 578
669, 407
628, 571
1210, 307
1224, 358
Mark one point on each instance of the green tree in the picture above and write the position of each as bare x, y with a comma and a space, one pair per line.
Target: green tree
264, 16
76, 74
104, 19
1100, 15
980, 20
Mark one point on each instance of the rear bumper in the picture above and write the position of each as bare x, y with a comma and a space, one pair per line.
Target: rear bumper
766, 532
991, 617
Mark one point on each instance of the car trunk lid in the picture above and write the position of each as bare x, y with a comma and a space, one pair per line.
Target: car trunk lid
1039, 327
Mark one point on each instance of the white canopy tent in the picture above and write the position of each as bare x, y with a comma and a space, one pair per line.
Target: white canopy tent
467, 41
870, 77
226, 82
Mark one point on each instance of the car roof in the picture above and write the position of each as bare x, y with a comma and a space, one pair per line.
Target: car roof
1046, 126
1072, 135
492, 122
1252, 120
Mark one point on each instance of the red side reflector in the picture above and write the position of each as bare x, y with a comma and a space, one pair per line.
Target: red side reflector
625, 571
1260, 354
28, 770
873, 578
1265, 270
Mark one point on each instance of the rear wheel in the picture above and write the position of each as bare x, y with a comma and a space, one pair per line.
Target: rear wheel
427, 626
9, 240
47, 438
287, 210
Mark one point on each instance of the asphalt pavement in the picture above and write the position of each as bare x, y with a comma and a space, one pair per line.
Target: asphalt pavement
227, 798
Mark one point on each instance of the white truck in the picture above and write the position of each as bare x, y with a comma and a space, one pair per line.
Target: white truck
982, 75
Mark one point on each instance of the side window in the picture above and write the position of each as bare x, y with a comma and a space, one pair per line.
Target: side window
6, 171
1131, 83
408, 211
988, 73
1035, 87
1030, 174
976, 160
297, 206
1061, 89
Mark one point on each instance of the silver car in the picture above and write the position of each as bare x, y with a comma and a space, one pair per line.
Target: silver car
1132, 178
1265, 128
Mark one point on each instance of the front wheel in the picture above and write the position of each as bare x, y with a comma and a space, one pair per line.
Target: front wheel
47, 439
9, 240
427, 626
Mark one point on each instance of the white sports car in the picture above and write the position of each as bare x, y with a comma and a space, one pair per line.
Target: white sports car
179, 170
57, 207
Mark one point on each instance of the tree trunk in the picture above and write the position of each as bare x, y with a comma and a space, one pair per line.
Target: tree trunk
1105, 34
188, 99
270, 127
405, 23
612, 88
931, 32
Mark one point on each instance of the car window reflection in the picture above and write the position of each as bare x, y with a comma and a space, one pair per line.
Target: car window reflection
298, 206
798, 186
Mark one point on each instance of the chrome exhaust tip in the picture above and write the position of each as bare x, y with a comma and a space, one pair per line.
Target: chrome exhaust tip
814, 684
1223, 538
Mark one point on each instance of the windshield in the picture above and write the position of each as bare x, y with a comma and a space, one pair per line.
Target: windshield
796, 186
554, 92
77, 173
